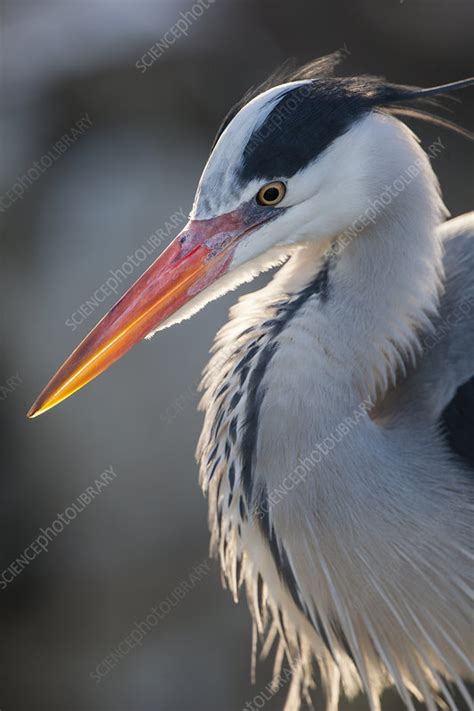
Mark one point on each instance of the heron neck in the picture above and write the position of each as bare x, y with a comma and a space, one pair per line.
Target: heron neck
382, 288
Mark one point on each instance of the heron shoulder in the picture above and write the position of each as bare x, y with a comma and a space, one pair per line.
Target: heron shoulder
457, 308
445, 366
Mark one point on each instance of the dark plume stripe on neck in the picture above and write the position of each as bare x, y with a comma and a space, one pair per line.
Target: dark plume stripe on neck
284, 313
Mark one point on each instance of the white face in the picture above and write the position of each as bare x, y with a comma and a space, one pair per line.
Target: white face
322, 199
328, 195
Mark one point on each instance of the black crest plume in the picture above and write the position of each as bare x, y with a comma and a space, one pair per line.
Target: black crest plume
367, 92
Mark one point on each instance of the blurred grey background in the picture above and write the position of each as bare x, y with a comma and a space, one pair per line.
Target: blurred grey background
136, 165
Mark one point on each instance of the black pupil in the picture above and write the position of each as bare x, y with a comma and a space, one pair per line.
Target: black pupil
271, 194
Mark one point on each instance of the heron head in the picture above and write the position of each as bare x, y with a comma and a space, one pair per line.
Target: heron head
294, 164
288, 167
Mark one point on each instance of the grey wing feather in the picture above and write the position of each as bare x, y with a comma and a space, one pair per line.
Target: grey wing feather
447, 361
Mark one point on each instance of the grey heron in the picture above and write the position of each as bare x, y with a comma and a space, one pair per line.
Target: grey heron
338, 444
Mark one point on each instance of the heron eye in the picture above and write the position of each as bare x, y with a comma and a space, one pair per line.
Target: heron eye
271, 193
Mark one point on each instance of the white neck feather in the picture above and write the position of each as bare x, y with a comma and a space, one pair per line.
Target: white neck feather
384, 285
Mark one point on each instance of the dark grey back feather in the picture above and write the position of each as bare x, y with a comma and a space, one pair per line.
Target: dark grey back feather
457, 422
